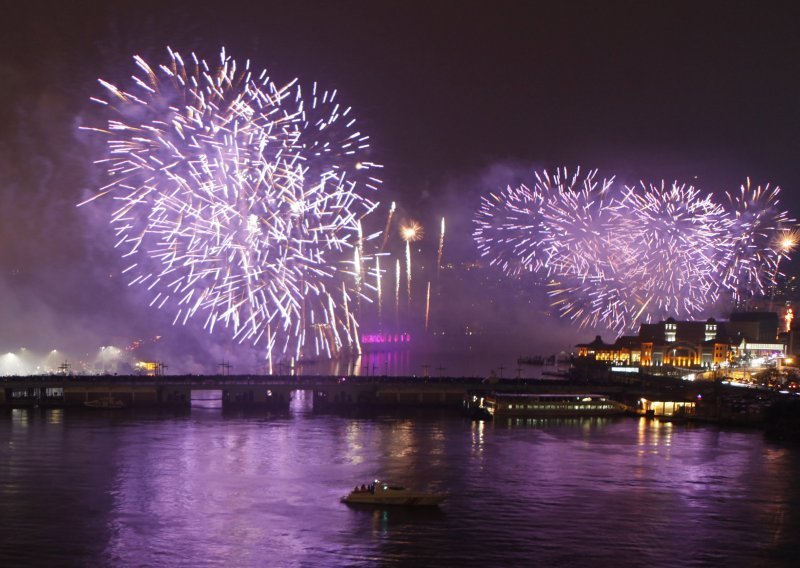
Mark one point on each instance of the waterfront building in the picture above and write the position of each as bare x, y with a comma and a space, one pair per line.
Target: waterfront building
747, 336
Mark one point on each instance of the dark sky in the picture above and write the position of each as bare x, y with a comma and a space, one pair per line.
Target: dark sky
458, 98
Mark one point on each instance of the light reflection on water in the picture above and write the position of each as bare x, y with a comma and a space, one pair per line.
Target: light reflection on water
206, 489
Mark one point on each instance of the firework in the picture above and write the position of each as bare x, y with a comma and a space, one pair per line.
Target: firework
596, 302
757, 222
510, 230
786, 241
410, 232
331, 145
576, 222
652, 251
669, 245
681, 243
240, 200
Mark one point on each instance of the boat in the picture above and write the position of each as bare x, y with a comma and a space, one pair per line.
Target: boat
383, 493
105, 403
527, 405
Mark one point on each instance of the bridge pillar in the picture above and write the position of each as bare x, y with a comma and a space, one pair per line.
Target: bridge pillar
256, 396
173, 395
342, 396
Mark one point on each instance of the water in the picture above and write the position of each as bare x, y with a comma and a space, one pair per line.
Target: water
129, 488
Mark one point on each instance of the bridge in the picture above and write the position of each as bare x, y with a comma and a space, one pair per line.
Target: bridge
264, 392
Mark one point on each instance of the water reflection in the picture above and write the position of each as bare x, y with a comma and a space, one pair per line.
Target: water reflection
203, 489
385, 520
20, 418
55, 415
478, 428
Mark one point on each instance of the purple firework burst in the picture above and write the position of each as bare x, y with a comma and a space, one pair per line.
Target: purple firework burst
240, 200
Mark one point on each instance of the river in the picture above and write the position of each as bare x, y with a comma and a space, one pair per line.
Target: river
206, 488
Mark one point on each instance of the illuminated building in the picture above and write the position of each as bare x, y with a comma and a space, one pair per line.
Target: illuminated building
748, 335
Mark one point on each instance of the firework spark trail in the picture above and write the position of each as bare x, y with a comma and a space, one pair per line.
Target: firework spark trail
408, 272
378, 290
427, 306
410, 232
239, 199
358, 264
397, 293
440, 251
387, 230
652, 251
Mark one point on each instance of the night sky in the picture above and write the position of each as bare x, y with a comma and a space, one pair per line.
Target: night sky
459, 98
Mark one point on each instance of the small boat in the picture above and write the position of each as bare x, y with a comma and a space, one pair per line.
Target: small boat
104, 403
382, 493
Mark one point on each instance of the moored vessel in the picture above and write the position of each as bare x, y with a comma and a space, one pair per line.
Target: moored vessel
550, 405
